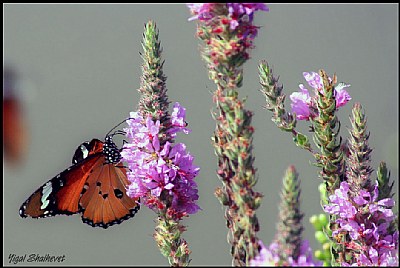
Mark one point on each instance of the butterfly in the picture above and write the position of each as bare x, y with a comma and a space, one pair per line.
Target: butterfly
95, 186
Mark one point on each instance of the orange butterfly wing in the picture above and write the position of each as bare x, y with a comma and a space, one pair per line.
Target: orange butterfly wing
105, 202
92, 187
61, 194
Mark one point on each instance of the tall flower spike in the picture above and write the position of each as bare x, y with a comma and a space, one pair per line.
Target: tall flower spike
154, 100
288, 247
161, 173
290, 226
365, 225
228, 32
326, 131
320, 110
358, 162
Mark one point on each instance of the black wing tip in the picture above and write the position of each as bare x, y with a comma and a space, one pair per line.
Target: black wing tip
21, 211
22, 214
50, 213
131, 214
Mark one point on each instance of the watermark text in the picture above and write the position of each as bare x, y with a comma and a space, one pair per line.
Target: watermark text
35, 258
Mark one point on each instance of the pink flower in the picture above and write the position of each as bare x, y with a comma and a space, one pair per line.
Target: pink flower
367, 222
201, 11
314, 80
300, 103
178, 122
243, 12
341, 95
270, 257
238, 12
265, 258
161, 175
303, 104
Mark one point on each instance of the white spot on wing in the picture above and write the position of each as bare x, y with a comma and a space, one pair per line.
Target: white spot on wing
47, 189
85, 151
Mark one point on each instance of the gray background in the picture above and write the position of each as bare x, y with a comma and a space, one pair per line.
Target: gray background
81, 66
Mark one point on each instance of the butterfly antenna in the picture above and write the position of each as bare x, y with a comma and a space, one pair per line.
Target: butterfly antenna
108, 134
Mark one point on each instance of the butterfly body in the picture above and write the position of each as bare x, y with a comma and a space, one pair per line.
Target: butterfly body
95, 186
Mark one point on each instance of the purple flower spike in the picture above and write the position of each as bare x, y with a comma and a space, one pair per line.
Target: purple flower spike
161, 168
367, 222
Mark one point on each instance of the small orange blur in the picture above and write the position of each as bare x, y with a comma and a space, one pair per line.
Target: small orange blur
15, 132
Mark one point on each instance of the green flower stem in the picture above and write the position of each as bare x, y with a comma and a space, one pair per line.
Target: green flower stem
358, 161
326, 131
225, 53
154, 102
275, 98
225, 49
358, 167
233, 147
290, 225
330, 159
168, 237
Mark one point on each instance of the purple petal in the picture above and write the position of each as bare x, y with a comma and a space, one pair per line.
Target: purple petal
300, 103
387, 202
169, 186
314, 80
165, 150
156, 191
341, 95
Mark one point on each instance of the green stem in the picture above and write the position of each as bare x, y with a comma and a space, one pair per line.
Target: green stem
168, 237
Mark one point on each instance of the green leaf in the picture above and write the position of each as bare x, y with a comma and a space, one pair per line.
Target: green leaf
301, 141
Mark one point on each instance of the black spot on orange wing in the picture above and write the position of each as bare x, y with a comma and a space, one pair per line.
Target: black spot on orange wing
68, 196
102, 208
118, 193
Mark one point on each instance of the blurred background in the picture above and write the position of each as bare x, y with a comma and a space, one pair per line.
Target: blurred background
80, 67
